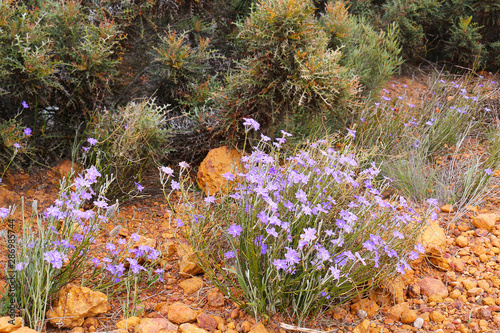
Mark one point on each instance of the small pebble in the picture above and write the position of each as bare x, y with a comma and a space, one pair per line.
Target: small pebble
418, 323
361, 314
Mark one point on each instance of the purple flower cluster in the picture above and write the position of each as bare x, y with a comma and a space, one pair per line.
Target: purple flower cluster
312, 211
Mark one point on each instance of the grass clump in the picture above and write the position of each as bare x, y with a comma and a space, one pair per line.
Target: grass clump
425, 147
124, 143
299, 232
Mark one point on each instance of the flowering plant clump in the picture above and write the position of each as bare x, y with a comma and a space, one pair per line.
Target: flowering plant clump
60, 250
302, 231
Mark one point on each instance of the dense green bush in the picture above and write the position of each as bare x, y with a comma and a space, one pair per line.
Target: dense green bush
461, 31
54, 54
372, 55
290, 75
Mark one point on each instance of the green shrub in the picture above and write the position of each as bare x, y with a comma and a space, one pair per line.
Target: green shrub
13, 144
289, 76
456, 30
373, 56
464, 45
54, 54
122, 144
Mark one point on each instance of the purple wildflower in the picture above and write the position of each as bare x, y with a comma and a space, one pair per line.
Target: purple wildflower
55, 258
229, 255
27, 131
25, 105
175, 185
251, 123
139, 186
184, 165
4, 212
20, 266
167, 170
488, 172
91, 141
235, 230
135, 237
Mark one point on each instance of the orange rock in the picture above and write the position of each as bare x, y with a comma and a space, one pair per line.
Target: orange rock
25, 329
66, 167
180, 313
258, 328
191, 285
394, 312
485, 221
366, 304
154, 325
74, 304
215, 298
218, 162
362, 327
430, 286
188, 262
408, 316
6, 324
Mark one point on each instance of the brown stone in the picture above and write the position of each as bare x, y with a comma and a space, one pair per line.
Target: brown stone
218, 162
366, 304
129, 322
457, 265
90, 321
485, 221
394, 312
155, 325
395, 288
180, 313
191, 285
408, 316
447, 209
77, 330
437, 317
258, 328
246, 326
65, 168
362, 327
430, 286
433, 237
74, 303
8, 198
6, 326
413, 291
206, 322
462, 241
215, 298
188, 262
191, 328
25, 329
439, 258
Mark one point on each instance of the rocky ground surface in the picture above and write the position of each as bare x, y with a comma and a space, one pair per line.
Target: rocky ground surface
454, 288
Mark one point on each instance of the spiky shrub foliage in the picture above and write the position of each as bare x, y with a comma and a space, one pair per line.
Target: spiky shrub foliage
436, 30
299, 231
373, 56
13, 144
56, 247
464, 45
183, 66
290, 75
54, 54
122, 143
